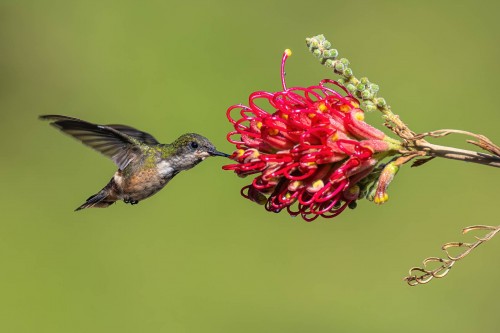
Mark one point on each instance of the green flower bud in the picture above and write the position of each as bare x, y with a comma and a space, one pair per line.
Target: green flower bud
333, 53
329, 63
327, 44
351, 88
366, 94
368, 106
348, 72
374, 87
361, 87
364, 80
345, 62
381, 102
339, 67
313, 43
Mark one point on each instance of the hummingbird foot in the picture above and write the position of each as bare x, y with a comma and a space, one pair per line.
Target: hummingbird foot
130, 201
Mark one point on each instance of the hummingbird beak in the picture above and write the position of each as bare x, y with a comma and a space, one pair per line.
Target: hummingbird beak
218, 153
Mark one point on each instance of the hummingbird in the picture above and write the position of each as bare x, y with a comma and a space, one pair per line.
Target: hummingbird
145, 166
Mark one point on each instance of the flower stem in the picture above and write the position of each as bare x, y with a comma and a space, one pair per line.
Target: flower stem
457, 154
413, 144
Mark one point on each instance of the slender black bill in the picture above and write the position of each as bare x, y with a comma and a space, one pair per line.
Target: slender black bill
218, 153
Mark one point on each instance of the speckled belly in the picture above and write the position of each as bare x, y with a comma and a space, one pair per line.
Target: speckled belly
142, 185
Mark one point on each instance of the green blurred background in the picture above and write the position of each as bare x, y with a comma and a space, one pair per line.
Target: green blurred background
197, 257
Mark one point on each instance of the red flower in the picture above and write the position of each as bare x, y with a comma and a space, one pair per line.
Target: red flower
313, 149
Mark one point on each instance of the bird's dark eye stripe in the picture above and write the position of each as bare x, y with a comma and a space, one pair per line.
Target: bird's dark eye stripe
194, 144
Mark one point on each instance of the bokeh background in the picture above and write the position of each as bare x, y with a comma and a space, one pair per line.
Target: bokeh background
197, 257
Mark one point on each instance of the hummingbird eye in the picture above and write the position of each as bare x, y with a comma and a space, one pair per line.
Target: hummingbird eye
194, 144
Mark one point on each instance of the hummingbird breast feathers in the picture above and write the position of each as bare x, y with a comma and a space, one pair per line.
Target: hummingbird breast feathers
141, 184
165, 169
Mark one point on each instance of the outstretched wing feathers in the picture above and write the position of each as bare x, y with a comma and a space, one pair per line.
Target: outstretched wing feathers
135, 133
119, 142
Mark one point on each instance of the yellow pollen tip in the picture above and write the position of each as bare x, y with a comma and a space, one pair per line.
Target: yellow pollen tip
310, 163
345, 108
334, 137
322, 107
240, 152
355, 104
259, 124
288, 52
255, 154
273, 131
284, 116
295, 185
311, 115
381, 198
318, 184
359, 116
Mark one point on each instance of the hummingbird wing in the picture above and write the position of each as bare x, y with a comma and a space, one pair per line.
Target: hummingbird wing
136, 134
121, 147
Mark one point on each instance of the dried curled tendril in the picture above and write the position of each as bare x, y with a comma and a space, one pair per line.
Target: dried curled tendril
422, 275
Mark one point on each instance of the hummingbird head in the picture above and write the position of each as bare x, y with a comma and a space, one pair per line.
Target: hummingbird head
192, 148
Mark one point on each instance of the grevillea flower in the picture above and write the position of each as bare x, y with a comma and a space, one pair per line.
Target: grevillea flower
310, 153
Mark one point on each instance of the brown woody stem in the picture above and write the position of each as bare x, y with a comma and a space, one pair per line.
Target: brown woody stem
457, 154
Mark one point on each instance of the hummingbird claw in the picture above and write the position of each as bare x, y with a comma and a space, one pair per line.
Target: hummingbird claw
130, 201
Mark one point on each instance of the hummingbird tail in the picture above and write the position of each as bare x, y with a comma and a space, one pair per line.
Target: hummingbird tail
99, 200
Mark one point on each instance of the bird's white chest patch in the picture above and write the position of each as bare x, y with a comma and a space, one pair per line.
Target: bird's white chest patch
164, 169
118, 178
